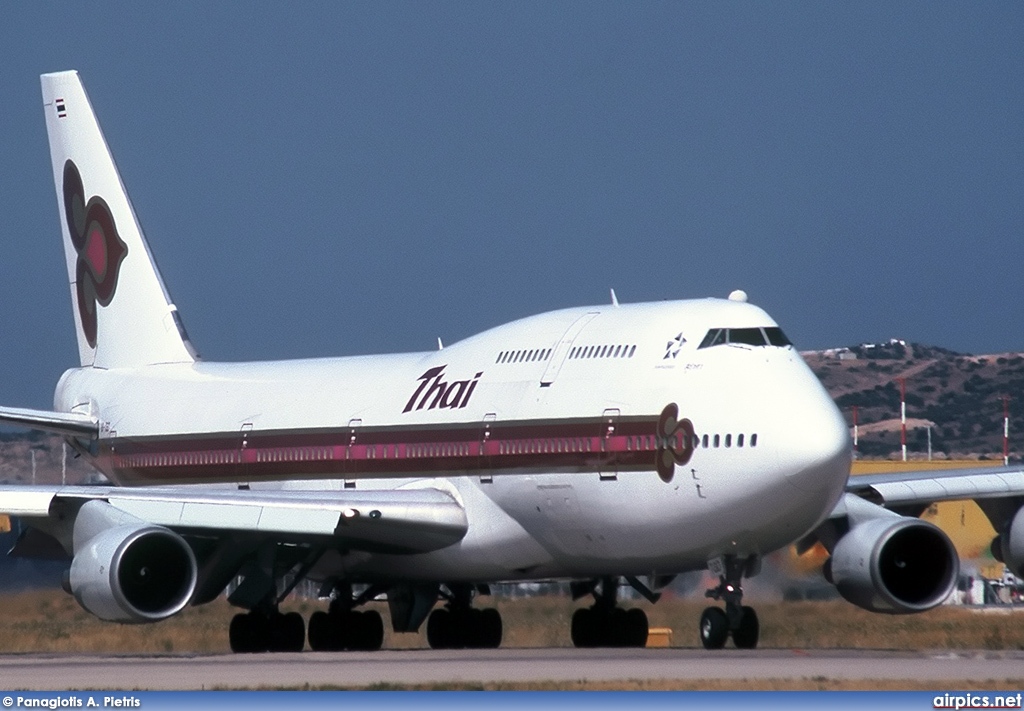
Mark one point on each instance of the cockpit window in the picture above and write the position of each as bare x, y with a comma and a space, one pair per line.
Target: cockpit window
715, 337
747, 336
776, 337
770, 336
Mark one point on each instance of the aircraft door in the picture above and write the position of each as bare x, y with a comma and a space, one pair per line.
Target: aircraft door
486, 476
244, 458
350, 455
609, 469
562, 348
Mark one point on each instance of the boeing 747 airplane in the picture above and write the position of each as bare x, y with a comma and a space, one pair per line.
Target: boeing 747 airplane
601, 445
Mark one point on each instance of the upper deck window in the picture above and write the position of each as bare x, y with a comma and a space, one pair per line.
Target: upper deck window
770, 336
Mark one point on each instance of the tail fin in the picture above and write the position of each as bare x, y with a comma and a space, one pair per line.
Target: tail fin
123, 314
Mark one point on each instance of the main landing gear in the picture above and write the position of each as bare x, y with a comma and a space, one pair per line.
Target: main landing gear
604, 624
737, 619
458, 625
267, 630
344, 628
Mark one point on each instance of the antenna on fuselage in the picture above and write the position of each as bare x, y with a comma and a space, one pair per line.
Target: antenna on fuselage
615, 299
440, 346
738, 295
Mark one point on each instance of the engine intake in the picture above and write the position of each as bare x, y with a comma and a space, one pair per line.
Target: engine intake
897, 566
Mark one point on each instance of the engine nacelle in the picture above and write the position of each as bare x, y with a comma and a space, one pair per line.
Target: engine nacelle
134, 573
895, 565
1008, 547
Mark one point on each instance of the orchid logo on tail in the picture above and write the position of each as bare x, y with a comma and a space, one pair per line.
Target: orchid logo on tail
100, 249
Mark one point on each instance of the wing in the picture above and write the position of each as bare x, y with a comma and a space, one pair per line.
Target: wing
922, 488
395, 520
65, 423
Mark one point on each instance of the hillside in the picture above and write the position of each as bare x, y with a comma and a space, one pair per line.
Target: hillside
959, 395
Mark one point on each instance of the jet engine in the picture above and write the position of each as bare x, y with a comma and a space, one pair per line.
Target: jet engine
896, 565
1008, 547
132, 571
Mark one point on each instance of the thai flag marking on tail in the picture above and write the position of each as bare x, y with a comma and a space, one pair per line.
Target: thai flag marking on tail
61, 111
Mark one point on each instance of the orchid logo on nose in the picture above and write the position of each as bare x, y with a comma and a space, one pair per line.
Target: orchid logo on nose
100, 249
675, 442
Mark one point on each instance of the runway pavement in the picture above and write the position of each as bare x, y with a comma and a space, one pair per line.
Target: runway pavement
352, 669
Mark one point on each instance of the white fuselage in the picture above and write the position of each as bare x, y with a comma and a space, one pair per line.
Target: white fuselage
545, 429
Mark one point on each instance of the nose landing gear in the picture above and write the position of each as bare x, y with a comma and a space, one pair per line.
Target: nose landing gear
737, 619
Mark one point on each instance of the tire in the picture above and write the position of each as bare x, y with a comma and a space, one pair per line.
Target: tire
745, 636
294, 632
714, 628
259, 632
371, 631
319, 632
490, 628
240, 634
637, 627
439, 626
343, 629
615, 630
583, 628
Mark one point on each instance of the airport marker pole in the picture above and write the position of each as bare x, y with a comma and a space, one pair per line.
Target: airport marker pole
1006, 430
855, 427
903, 416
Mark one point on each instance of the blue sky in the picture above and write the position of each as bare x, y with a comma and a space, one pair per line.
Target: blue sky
342, 178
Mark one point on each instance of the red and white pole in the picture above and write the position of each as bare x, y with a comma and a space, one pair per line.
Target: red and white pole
855, 426
903, 416
1006, 430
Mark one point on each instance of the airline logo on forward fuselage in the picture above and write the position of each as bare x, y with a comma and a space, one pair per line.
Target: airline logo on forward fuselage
434, 392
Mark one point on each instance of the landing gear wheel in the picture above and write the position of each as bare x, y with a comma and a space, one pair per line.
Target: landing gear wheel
490, 628
286, 633
250, 632
745, 636
240, 634
320, 632
637, 628
439, 629
583, 632
369, 632
714, 628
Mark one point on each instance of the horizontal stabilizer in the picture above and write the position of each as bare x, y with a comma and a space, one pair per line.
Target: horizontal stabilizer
65, 423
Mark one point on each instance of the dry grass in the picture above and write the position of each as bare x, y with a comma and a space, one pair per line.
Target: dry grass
51, 621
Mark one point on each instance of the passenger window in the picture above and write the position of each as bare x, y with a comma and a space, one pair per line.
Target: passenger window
728, 440
632, 350
753, 440
618, 349
716, 441
739, 440
704, 442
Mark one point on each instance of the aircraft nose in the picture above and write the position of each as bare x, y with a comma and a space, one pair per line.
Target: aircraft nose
814, 445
